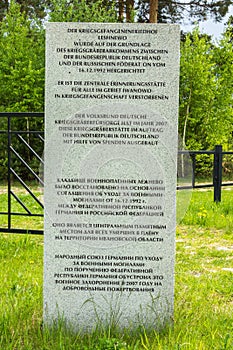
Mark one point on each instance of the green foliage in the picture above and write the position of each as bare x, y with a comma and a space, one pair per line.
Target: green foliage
22, 79
81, 11
206, 114
22, 63
197, 90
168, 11
171, 11
206, 80
24, 124
223, 70
33, 8
109, 344
22, 69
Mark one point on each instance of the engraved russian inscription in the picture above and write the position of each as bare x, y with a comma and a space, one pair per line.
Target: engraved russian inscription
110, 172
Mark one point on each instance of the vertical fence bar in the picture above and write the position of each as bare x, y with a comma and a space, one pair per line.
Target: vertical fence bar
9, 170
217, 173
193, 157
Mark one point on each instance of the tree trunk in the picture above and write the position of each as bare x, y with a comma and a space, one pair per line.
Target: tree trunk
129, 10
154, 4
121, 11
184, 132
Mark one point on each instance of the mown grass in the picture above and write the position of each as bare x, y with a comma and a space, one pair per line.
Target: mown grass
199, 209
18, 221
203, 290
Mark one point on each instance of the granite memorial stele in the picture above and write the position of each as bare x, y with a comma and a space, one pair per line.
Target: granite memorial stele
110, 173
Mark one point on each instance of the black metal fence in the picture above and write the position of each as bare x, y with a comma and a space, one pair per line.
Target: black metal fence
24, 148
216, 183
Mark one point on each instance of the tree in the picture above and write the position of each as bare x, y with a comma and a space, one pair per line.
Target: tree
206, 80
22, 63
82, 11
174, 11
120, 10
229, 29
32, 8
223, 70
4, 4
163, 11
154, 7
197, 90
21, 72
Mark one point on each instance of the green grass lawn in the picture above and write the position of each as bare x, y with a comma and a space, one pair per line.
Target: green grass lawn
203, 317
18, 221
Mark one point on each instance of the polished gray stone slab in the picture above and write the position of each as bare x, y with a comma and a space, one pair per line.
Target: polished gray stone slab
110, 173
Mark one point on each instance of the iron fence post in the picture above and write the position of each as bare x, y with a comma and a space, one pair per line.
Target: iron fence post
9, 170
193, 157
217, 173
